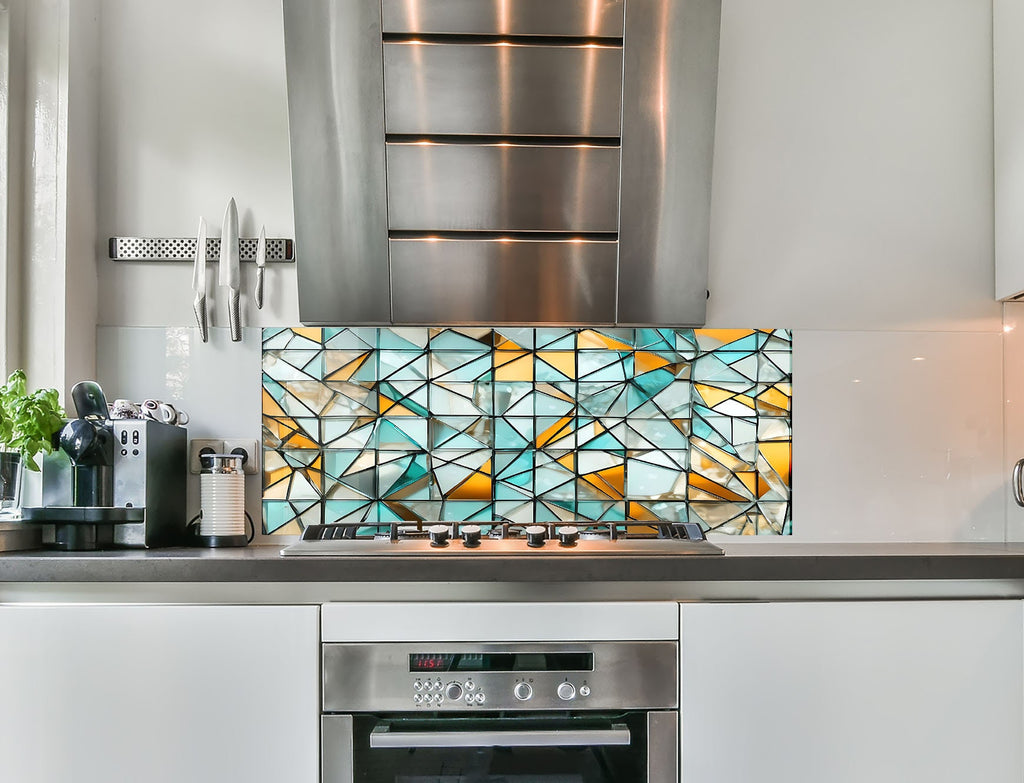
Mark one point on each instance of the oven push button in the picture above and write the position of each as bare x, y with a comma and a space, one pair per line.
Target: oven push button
522, 691
566, 691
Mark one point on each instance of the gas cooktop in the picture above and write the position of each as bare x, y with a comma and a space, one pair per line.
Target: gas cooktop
460, 539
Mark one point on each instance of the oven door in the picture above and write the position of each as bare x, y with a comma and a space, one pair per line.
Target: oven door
630, 747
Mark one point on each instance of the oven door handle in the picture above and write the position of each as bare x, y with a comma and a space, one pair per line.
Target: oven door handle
383, 737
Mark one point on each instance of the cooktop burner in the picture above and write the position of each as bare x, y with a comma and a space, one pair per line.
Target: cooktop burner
470, 539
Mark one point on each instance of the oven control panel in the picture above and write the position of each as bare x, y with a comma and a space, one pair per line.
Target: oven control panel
513, 676
441, 692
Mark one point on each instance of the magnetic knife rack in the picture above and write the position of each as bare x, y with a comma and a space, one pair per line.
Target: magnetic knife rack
279, 251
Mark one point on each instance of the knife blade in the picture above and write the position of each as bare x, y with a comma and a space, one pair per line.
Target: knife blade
229, 273
261, 262
199, 281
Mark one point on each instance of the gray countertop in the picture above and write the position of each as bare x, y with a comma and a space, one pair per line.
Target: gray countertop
754, 561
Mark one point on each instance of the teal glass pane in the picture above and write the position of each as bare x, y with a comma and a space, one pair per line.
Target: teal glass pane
350, 339
350, 473
555, 510
350, 512
555, 399
278, 513
466, 511
348, 433
513, 399
402, 398
403, 433
403, 476
654, 434
556, 339
513, 433
461, 399
601, 511
461, 432
409, 338
655, 479
515, 512
274, 337
553, 366
604, 366
514, 338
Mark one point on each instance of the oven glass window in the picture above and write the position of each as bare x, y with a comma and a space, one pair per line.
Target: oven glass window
481, 758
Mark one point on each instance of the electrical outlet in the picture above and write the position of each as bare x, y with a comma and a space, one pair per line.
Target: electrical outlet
197, 446
249, 448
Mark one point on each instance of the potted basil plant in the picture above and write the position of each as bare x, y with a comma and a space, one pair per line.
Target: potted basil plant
28, 423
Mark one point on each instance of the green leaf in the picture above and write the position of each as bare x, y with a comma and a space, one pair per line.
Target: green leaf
28, 421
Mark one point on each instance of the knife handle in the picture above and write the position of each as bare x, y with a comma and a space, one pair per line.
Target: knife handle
258, 293
199, 306
234, 317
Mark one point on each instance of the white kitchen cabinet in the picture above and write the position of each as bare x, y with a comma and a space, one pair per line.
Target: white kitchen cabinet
848, 692
1008, 131
161, 694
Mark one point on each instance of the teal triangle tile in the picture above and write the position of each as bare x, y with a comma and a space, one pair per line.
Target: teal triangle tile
556, 339
686, 341
604, 366
514, 338
413, 338
402, 433
601, 511
555, 510
711, 368
350, 512
655, 339
402, 365
278, 513
387, 513
504, 490
314, 368
602, 399
555, 399
513, 433
514, 467
460, 366
275, 337
360, 484
348, 433
779, 340
350, 339
275, 389
465, 510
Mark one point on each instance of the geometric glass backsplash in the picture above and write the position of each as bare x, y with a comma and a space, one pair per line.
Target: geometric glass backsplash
370, 426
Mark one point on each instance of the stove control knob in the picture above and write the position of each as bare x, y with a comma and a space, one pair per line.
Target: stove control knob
522, 691
453, 692
438, 535
568, 535
566, 691
470, 535
536, 535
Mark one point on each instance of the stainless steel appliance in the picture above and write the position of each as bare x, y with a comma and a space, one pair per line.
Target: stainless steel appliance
502, 161
514, 711
461, 539
135, 495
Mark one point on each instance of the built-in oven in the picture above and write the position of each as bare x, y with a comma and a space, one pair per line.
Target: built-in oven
514, 712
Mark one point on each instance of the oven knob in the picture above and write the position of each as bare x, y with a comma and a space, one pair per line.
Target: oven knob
568, 535
417, 686
453, 692
479, 698
522, 691
470, 535
438, 535
536, 535
417, 699
470, 685
584, 690
566, 691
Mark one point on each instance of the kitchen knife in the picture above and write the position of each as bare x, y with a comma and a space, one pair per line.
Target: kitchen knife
261, 262
199, 281
229, 275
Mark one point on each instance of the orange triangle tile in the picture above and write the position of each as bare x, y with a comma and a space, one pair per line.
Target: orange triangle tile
699, 482
271, 407
476, 487
590, 338
314, 333
616, 478
648, 362
568, 461
749, 480
563, 361
640, 513
724, 336
779, 456
712, 395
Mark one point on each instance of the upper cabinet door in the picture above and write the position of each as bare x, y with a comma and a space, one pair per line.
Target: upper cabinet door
1008, 107
502, 161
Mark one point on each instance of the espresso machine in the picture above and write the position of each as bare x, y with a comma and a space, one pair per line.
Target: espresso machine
112, 482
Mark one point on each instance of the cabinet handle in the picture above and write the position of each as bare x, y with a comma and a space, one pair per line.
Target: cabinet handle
1018, 482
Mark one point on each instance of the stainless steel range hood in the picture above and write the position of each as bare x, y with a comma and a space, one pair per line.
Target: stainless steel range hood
502, 161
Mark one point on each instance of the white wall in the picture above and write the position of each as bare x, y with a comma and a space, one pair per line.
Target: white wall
852, 203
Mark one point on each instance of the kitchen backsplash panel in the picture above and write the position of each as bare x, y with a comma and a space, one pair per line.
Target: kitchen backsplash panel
370, 426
